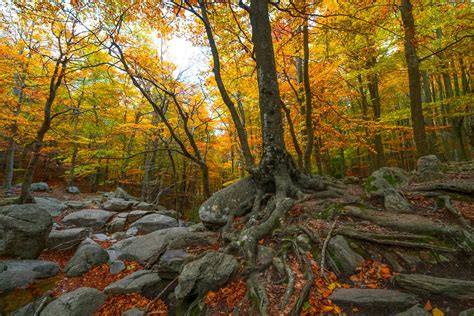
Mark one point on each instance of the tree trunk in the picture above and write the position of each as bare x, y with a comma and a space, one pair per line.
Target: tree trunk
241, 132
429, 119
276, 162
307, 99
418, 120
72, 167
375, 98
55, 83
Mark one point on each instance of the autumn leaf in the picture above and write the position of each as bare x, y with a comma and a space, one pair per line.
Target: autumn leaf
437, 312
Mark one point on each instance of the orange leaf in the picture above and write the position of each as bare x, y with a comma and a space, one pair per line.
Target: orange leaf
428, 306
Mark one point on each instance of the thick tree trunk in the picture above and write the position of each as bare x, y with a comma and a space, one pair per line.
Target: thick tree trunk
307, 99
276, 162
418, 121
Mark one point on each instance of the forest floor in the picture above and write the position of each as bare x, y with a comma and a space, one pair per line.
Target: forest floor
390, 244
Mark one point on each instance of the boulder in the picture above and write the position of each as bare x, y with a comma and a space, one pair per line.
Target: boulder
136, 215
153, 222
171, 262
236, 198
73, 190
122, 194
39, 187
31, 308
207, 273
425, 284
52, 205
76, 205
66, 239
95, 219
386, 183
24, 230
428, 168
117, 205
144, 206
117, 224
44, 269
10, 280
416, 310
133, 283
81, 302
343, 258
388, 301
144, 247
116, 266
88, 255
265, 255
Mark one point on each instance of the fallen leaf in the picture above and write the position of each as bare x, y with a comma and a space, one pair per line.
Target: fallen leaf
437, 312
428, 306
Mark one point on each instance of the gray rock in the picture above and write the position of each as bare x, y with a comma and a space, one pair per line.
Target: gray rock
209, 272
425, 284
144, 206
133, 283
81, 302
467, 312
88, 255
428, 168
117, 224
100, 237
95, 219
11, 279
132, 231
24, 230
343, 258
386, 183
122, 194
142, 248
171, 262
416, 310
39, 187
303, 242
117, 205
76, 205
134, 312
52, 205
119, 235
136, 215
116, 266
66, 239
73, 190
386, 300
44, 269
214, 211
153, 222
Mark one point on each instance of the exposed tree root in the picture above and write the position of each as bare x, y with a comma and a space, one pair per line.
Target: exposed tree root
303, 297
325, 246
387, 239
446, 201
462, 187
403, 222
291, 282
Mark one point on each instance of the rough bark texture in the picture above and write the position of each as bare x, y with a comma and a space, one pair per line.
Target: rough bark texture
418, 121
307, 100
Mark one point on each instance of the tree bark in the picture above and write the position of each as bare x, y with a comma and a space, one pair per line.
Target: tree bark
276, 162
375, 99
418, 120
307, 99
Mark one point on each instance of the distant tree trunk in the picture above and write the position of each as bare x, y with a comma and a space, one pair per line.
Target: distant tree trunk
307, 98
294, 138
364, 108
72, 167
429, 119
464, 79
55, 82
375, 99
417, 118
129, 148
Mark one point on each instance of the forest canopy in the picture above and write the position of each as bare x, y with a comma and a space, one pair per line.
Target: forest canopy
90, 96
